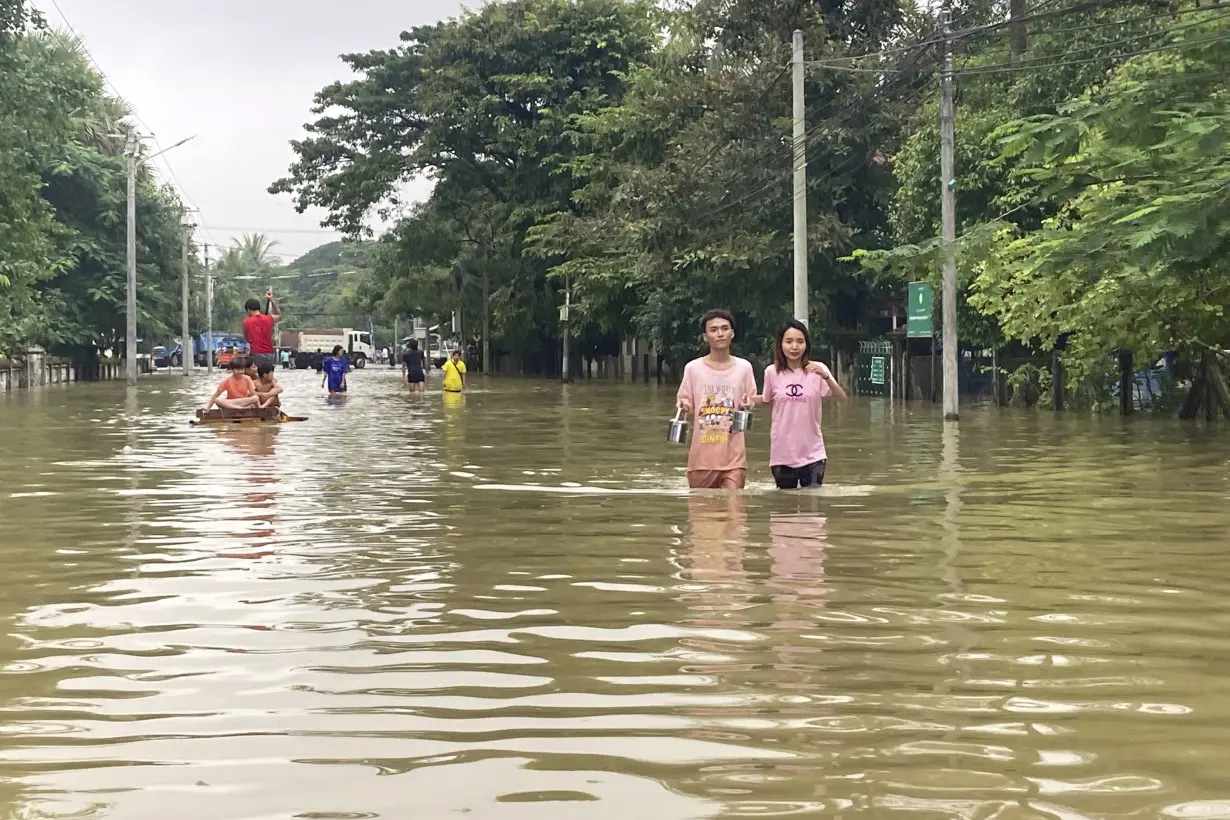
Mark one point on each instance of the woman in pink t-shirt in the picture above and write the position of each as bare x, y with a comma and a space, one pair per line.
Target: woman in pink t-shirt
795, 387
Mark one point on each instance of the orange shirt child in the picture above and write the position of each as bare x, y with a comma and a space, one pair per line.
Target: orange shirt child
237, 386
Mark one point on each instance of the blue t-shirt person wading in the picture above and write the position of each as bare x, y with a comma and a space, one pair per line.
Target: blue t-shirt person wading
336, 368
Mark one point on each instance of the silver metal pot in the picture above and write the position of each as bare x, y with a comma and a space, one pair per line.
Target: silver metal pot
677, 431
740, 421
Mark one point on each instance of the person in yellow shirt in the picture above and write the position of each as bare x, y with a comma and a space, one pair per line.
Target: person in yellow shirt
454, 371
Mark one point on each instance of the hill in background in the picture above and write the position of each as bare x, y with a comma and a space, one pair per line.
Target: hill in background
322, 288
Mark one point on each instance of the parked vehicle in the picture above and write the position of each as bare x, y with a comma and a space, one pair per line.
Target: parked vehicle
225, 354
160, 356
443, 351
438, 349
310, 347
221, 342
1149, 384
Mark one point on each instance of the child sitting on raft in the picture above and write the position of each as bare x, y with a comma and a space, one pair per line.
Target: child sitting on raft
239, 388
268, 388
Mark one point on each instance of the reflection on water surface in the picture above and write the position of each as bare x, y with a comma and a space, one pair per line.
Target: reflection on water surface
506, 605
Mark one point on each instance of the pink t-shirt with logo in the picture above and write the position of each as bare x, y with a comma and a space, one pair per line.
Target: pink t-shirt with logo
797, 397
714, 395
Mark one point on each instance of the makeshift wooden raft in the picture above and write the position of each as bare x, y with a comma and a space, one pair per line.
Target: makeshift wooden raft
250, 415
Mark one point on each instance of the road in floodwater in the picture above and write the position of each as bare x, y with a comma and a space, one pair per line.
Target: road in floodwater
506, 606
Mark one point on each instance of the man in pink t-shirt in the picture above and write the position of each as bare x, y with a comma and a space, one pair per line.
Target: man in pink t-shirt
713, 387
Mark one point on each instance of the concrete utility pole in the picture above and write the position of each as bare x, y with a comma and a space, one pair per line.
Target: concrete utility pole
1017, 12
132, 150
130, 330
486, 325
209, 313
948, 207
185, 345
800, 183
565, 315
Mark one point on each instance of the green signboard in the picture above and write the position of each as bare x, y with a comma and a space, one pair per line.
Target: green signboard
877, 370
920, 311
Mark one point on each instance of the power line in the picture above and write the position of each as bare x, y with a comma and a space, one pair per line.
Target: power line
263, 277
1015, 67
1004, 67
279, 230
183, 194
90, 56
974, 31
1037, 62
852, 109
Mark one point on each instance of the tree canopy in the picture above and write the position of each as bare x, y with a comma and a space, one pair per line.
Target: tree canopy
631, 153
638, 155
1092, 188
63, 215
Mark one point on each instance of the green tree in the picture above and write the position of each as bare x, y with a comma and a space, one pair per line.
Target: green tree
244, 271
489, 106
63, 251
1068, 51
328, 286
1082, 166
35, 113
1137, 257
688, 205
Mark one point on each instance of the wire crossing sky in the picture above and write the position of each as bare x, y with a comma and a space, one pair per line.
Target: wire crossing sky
240, 75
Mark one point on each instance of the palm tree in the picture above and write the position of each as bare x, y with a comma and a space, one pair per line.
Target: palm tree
255, 250
243, 272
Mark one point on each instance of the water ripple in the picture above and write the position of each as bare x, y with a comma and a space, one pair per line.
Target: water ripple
506, 605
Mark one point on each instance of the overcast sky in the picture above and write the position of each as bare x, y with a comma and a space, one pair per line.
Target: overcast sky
240, 75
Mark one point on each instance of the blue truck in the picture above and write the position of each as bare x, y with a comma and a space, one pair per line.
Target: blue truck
221, 342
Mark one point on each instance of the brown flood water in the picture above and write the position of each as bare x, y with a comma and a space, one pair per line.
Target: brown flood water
508, 607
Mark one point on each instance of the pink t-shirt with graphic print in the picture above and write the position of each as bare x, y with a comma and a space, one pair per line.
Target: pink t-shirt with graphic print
714, 395
797, 399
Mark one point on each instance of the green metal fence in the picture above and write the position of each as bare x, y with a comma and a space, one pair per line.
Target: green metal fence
874, 368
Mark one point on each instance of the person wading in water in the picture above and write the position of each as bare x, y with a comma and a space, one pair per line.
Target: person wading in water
713, 387
796, 388
454, 371
414, 367
335, 368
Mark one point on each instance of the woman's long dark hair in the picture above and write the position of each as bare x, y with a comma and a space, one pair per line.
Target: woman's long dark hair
779, 355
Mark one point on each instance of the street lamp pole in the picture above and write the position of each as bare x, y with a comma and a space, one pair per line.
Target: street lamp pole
185, 345
132, 153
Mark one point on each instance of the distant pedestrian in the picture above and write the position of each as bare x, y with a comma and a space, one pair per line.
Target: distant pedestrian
414, 367
713, 387
335, 368
454, 371
258, 329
